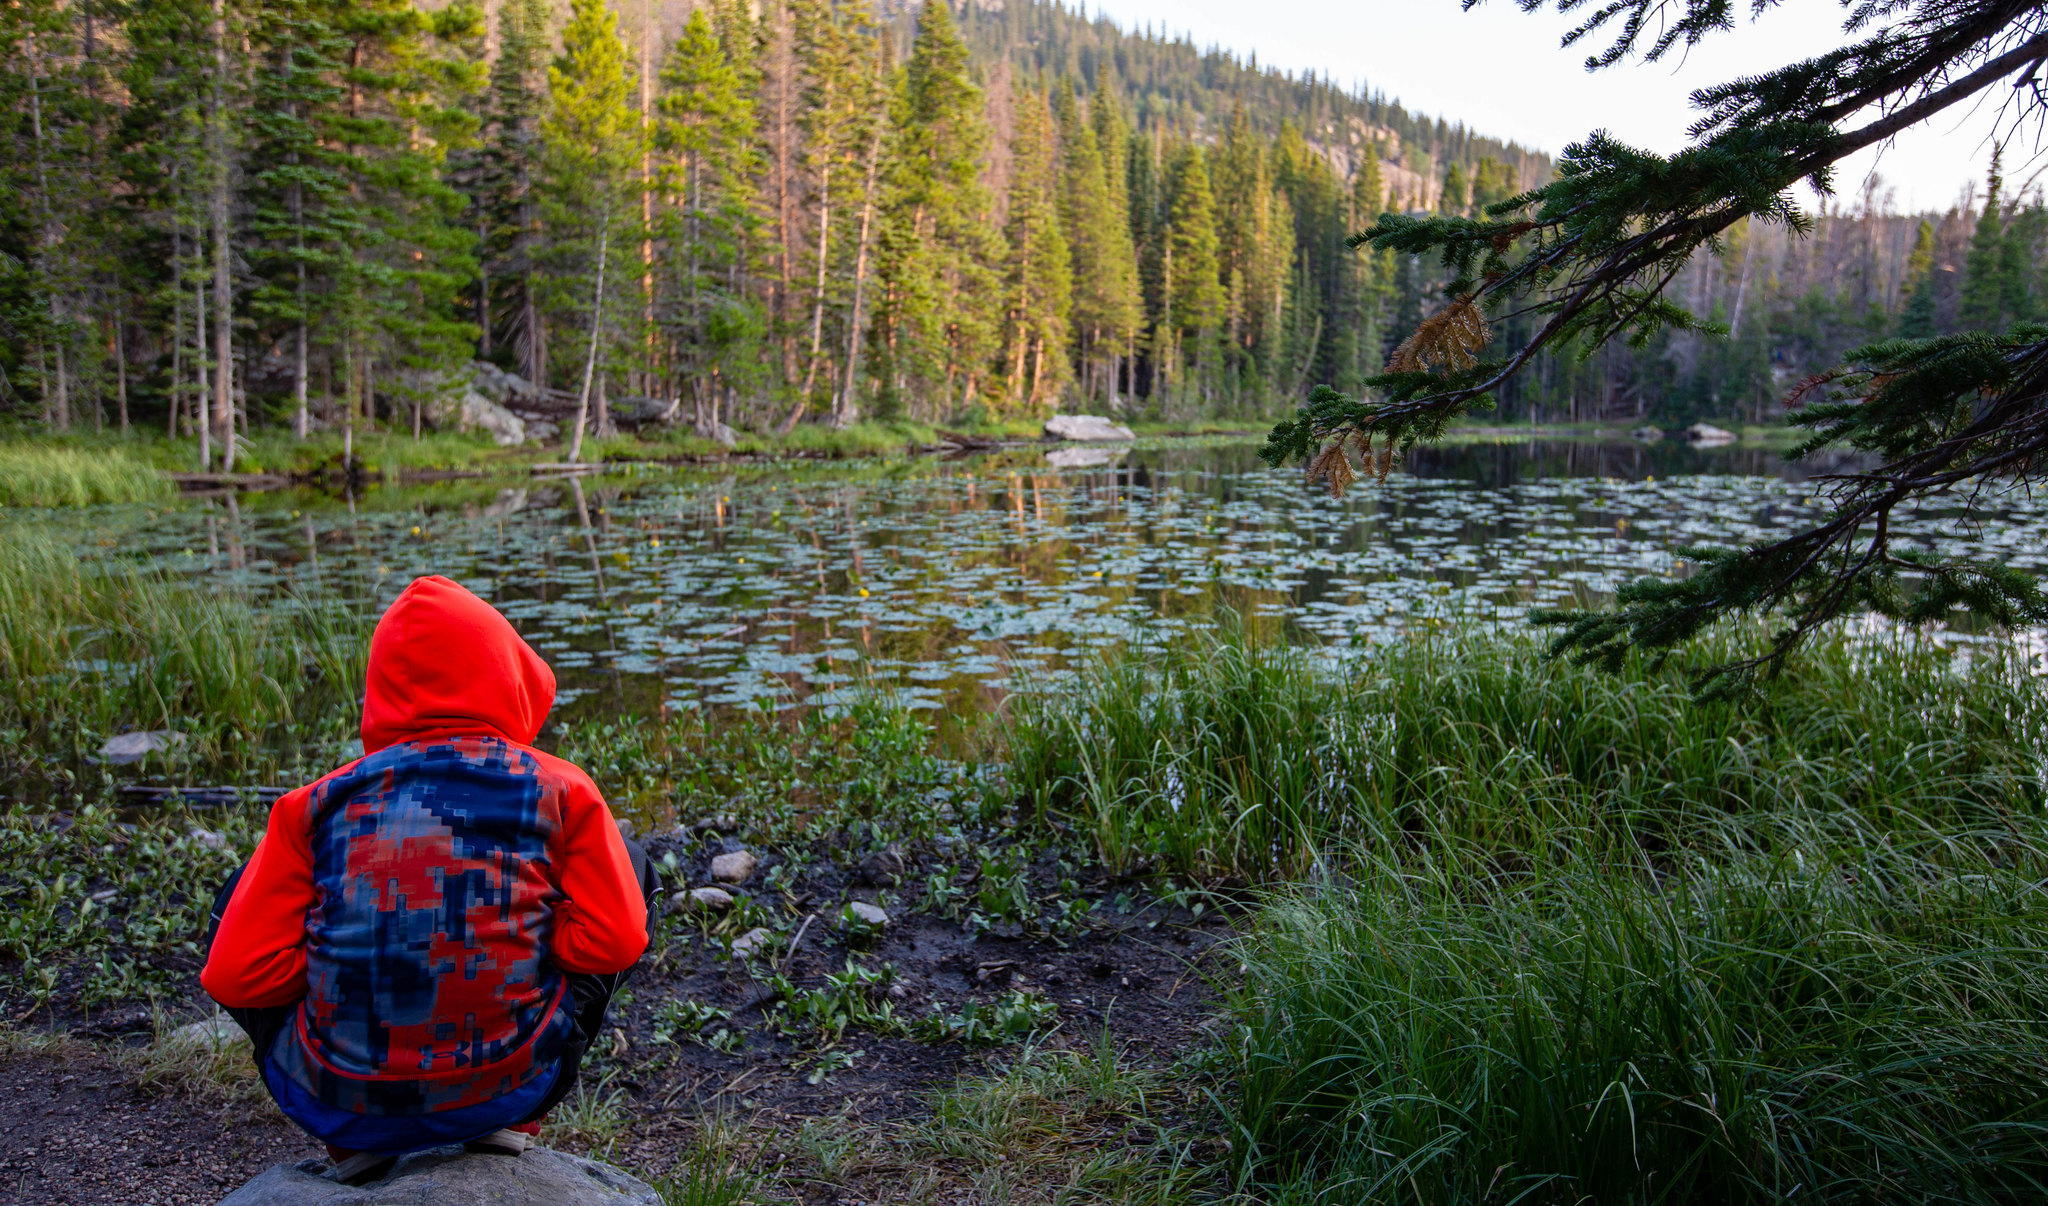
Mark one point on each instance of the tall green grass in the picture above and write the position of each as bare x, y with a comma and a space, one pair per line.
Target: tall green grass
1854, 1018
42, 475
90, 650
1225, 756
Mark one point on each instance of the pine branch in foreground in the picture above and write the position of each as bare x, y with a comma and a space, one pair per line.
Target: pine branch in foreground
1590, 255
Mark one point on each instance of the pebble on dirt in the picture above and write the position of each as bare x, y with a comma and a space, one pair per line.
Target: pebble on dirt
749, 944
869, 915
703, 900
884, 867
734, 868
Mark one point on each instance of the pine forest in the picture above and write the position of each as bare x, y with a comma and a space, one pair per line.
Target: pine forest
302, 213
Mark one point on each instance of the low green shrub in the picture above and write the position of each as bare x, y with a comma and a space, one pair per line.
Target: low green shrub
1222, 755
1855, 1018
42, 475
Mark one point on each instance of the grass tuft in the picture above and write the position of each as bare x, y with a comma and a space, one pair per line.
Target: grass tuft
207, 1059
1851, 1018
41, 475
1225, 756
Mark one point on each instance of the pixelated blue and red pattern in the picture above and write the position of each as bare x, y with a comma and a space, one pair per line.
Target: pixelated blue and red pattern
429, 985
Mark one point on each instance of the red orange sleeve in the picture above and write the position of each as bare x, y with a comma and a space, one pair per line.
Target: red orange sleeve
259, 953
602, 927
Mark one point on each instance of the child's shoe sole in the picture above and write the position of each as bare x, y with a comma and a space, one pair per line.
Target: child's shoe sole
504, 1142
362, 1168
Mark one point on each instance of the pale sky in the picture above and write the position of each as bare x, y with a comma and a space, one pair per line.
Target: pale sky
1502, 72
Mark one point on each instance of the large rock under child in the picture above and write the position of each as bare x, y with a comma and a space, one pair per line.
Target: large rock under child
450, 1176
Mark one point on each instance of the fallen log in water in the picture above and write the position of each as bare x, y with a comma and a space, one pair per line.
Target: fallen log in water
231, 481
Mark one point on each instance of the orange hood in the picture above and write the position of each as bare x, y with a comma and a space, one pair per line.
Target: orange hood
445, 663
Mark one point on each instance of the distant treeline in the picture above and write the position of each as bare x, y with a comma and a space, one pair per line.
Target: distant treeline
218, 214
1793, 303
305, 211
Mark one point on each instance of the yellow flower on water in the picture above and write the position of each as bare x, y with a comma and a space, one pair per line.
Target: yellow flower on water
1097, 574
415, 529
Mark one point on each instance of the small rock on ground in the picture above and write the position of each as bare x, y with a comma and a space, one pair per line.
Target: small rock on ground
749, 944
734, 868
702, 900
884, 867
868, 914
449, 1176
215, 1033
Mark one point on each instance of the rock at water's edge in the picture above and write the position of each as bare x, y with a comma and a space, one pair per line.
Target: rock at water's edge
1085, 427
468, 410
1707, 433
449, 1176
124, 748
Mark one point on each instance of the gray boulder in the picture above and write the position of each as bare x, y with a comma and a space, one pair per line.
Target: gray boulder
715, 431
1707, 433
1086, 428
450, 1176
636, 409
465, 409
506, 389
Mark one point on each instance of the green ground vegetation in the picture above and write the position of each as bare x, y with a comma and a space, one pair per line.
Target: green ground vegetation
1226, 756
86, 468
50, 475
1805, 1005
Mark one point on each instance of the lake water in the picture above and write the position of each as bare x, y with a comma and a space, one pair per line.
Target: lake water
941, 581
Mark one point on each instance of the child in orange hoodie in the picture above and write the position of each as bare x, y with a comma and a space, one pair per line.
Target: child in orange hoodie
425, 941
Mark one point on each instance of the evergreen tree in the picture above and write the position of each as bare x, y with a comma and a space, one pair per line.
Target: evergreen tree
1457, 198
298, 190
707, 137
1039, 285
1982, 295
936, 331
1097, 232
504, 206
590, 152
1194, 292
2020, 254
842, 125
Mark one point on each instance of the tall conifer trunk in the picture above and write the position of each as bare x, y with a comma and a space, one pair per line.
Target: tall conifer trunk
223, 281
843, 410
590, 358
56, 394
